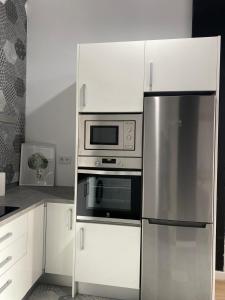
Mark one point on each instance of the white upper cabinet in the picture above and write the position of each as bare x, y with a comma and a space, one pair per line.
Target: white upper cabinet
111, 77
108, 255
182, 64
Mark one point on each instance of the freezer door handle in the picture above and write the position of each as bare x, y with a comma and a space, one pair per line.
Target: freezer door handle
177, 223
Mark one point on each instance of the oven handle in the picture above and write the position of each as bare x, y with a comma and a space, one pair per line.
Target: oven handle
104, 172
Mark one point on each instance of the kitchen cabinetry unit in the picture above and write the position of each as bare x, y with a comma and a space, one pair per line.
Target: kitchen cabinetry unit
181, 64
14, 283
21, 254
107, 254
110, 77
59, 239
35, 249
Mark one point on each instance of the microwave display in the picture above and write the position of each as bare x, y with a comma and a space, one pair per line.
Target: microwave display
104, 135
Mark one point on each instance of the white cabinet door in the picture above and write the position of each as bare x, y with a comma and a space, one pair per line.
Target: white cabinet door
108, 255
35, 246
181, 65
111, 77
59, 239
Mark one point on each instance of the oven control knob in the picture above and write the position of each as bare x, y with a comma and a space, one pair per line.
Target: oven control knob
129, 137
97, 163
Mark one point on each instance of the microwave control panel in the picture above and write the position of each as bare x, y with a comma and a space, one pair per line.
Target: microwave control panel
129, 135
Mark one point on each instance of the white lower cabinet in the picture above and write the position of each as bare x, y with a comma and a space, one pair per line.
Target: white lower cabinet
11, 254
22, 248
11, 231
35, 244
108, 254
21, 254
59, 239
14, 283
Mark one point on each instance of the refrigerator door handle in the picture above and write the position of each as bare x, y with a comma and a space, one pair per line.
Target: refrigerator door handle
177, 223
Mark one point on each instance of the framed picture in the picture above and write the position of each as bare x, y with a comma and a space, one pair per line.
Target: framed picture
37, 166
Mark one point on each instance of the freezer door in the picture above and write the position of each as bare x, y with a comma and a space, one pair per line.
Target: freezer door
179, 135
176, 262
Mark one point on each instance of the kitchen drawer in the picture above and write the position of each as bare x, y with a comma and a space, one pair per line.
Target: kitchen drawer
12, 231
13, 284
11, 254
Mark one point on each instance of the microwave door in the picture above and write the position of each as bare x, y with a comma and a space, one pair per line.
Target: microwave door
104, 135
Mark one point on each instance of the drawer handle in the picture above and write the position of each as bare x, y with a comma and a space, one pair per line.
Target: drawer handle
5, 261
5, 237
5, 286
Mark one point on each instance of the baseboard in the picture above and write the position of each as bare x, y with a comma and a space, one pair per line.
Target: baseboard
31, 290
220, 275
56, 279
108, 291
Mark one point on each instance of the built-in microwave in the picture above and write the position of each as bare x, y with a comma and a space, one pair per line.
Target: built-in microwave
114, 195
110, 140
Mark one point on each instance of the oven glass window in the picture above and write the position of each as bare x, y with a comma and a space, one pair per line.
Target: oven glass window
104, 135
106, 195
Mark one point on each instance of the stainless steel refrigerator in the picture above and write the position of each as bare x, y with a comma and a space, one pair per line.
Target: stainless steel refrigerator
178, 188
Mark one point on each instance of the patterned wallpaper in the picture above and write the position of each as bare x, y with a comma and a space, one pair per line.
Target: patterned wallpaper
13, 23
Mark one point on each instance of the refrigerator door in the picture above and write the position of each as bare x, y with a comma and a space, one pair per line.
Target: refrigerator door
179, 134
176, 262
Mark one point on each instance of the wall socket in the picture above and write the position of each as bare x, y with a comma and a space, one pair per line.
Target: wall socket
65, 160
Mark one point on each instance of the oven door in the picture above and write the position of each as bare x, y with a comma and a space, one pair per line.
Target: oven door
109, 194
104, 135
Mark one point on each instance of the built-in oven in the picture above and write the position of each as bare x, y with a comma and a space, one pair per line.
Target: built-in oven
109, 194
110, 141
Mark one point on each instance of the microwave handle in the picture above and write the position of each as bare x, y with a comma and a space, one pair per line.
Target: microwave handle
83, 96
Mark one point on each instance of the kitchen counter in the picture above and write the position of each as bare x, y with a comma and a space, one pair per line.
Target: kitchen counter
27, 198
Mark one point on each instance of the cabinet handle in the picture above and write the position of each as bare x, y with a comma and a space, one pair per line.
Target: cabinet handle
5, 286
82, 238
71, 219
83, 95
5, 237
150, 74
5, 261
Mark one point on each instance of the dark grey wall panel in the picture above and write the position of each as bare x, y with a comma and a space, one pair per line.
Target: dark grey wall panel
12, 85
209, 20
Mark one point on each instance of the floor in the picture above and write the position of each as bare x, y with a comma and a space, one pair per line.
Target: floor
51, 292
220, 290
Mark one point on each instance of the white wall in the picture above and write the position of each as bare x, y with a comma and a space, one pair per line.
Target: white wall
54, 29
